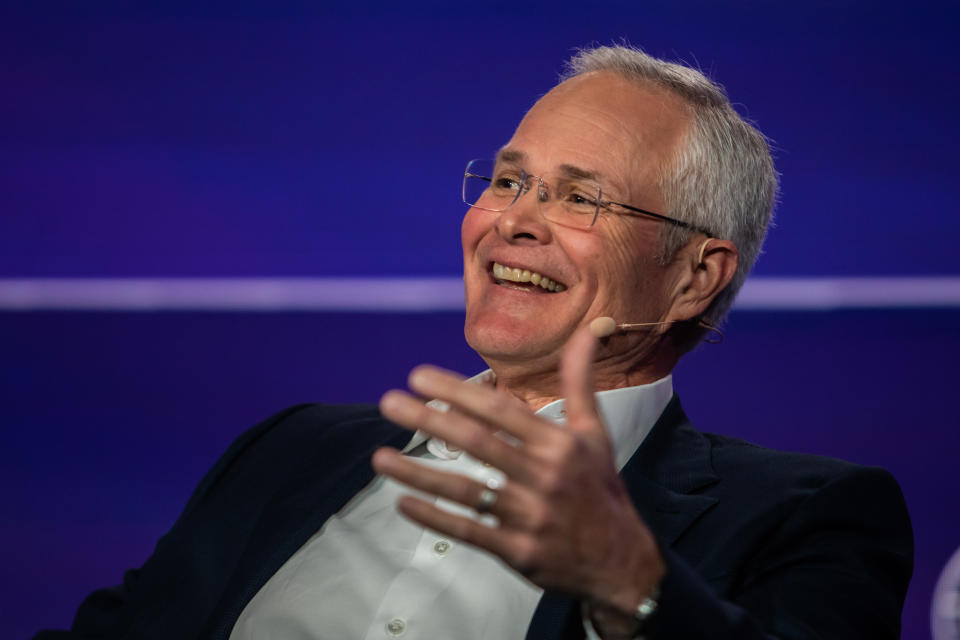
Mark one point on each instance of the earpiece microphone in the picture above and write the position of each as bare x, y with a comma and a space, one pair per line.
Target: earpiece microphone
606, 326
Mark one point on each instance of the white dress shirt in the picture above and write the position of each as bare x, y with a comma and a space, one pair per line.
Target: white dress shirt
371, 574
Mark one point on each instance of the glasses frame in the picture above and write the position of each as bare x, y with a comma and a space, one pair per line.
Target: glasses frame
541, 189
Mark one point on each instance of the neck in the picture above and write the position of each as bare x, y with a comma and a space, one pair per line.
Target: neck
539, 384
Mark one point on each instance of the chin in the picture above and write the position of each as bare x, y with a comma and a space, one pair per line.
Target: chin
511, 340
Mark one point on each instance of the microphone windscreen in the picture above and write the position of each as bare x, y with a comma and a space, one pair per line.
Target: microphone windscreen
603, 326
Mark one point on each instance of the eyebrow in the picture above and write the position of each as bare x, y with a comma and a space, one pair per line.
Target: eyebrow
568, 170
511, 155
577, 173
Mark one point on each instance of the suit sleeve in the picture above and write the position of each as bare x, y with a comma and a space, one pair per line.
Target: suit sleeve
107, 613
837, 567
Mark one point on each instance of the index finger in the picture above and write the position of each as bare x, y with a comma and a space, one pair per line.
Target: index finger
454, 428
497, 408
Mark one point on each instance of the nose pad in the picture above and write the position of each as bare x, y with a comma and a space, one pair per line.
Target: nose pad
542, 195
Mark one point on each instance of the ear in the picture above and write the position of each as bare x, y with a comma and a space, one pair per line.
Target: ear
706, 266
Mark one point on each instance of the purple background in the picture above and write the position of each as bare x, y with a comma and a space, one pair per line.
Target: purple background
231, 139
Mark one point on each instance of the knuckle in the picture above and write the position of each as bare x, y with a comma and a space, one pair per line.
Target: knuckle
473, 438
525, 553
569, 446
538, 518
552, 480
570, 450
466, 492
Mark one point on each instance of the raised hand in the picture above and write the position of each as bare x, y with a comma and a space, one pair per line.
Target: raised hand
565, 520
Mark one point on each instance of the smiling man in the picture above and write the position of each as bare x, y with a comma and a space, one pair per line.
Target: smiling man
597, 140
562, 493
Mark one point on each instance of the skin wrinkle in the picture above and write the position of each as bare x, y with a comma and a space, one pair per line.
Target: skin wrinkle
623, 133
658, 131
722, 177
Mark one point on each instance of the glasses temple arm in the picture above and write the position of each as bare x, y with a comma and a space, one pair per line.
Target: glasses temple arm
659, 216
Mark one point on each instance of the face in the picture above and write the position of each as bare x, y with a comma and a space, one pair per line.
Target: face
620, 133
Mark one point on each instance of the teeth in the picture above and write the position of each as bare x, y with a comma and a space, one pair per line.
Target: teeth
501, 272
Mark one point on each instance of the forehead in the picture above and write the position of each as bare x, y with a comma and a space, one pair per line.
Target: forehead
614, 128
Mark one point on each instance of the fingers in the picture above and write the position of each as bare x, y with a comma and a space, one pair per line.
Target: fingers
507, 503
468, 530
456, 430
576, 378
563, 511
480, 401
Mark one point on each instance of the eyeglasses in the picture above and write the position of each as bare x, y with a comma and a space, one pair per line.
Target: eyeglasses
493, 186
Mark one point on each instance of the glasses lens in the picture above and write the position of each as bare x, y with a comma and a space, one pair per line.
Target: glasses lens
573, 203
495, 186
489, 187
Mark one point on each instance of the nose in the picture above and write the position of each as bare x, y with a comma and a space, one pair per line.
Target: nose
522, 223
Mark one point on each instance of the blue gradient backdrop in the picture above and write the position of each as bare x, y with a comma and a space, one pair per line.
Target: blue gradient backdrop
141, 139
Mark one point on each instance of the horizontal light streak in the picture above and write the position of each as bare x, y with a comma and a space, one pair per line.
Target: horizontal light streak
825, 294
424, 294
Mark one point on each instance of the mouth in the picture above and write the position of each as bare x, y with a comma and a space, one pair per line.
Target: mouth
524, 279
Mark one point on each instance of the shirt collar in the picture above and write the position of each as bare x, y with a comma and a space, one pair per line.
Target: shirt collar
628, 412
436, 446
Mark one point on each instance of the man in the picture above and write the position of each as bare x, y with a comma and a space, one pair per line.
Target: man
630, 203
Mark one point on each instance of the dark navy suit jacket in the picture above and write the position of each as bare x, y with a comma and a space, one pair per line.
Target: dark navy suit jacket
759, 543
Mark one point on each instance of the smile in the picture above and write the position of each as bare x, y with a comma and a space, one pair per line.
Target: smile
502, 274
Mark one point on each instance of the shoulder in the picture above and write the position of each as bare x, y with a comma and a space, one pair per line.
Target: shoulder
308, 430
310, 424
815, 513
765, 490
733, 456
741, 465
300, 437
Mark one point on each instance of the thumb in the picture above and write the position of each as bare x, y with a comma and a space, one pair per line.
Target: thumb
576, 378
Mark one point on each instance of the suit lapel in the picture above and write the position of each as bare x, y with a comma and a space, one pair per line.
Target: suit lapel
672, 463
300, 507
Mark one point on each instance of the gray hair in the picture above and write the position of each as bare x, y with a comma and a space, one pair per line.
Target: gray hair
722, 179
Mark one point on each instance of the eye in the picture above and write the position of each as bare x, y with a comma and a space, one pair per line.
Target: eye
581, 200
506, 183
578, 198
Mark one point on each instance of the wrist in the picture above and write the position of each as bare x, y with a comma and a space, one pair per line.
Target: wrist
627, 611
617, 624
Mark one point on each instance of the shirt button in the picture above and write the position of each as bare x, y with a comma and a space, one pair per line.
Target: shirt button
396, 626
440, 547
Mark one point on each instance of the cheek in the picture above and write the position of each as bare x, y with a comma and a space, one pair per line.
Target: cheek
628, 271
629, 252
474, 226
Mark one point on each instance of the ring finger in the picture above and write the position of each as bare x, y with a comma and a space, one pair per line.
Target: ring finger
498, 498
